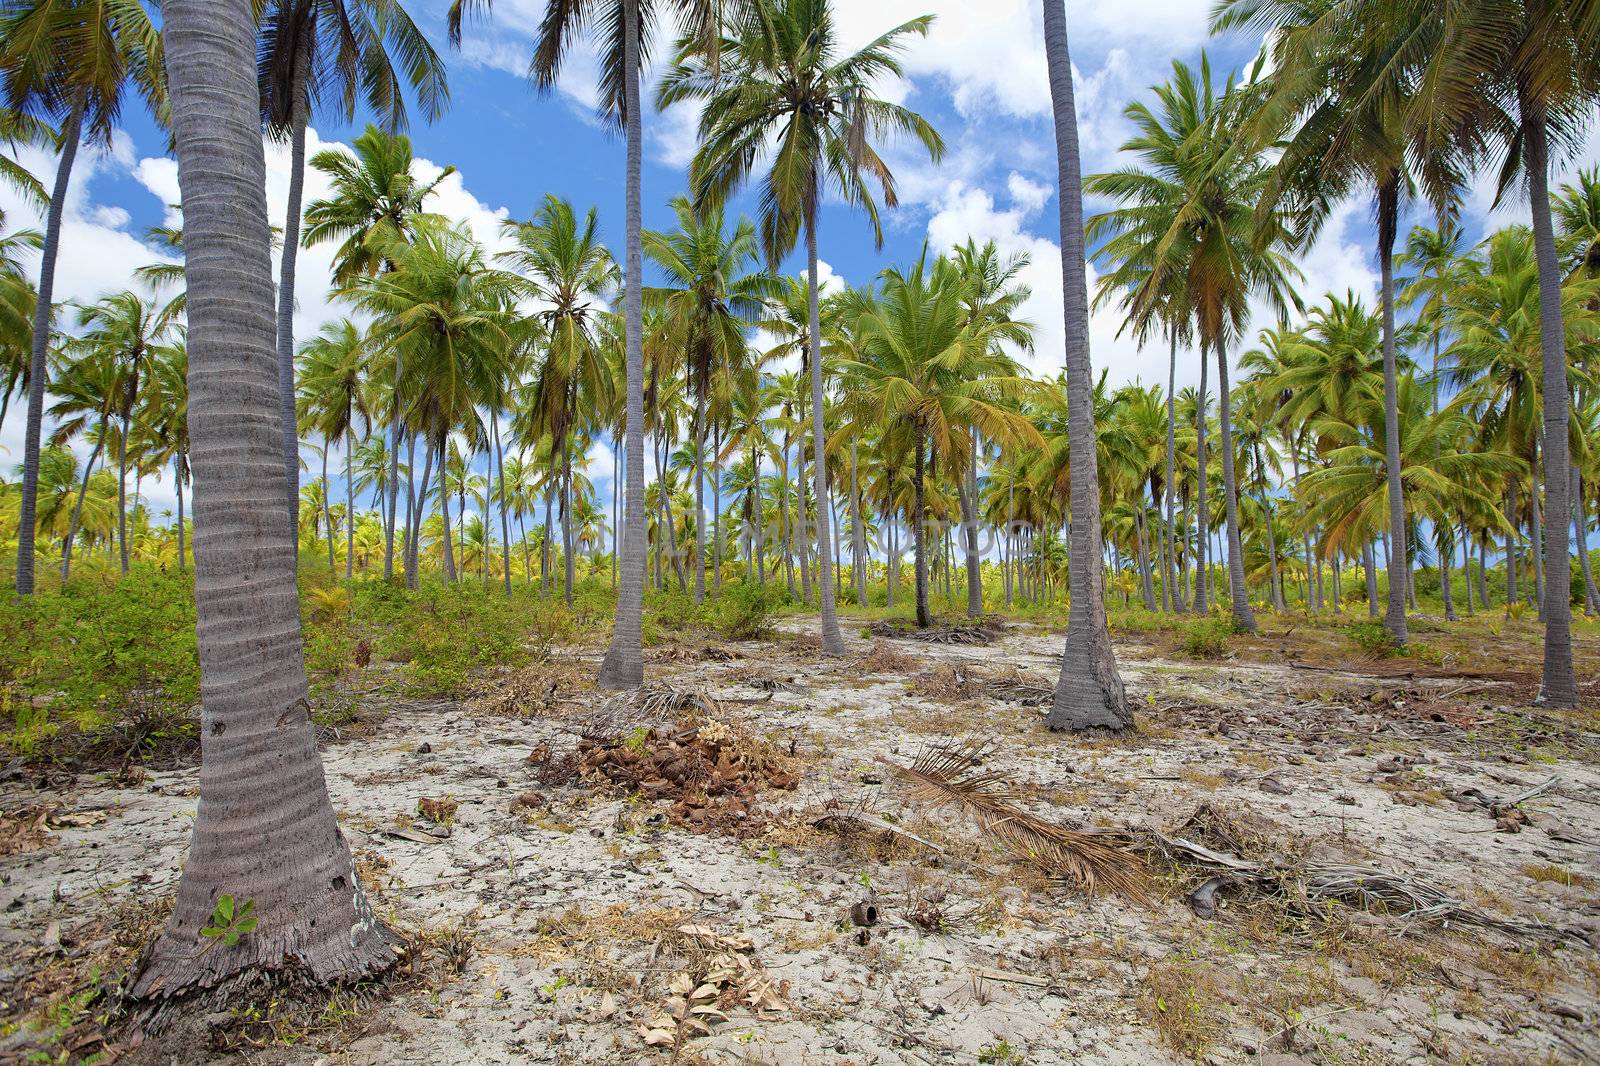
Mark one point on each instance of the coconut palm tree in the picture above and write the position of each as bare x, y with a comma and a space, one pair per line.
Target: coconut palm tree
777, 79
1089, 693
567, 270
264, 831
70, 65
373, 210
333, 392
625, 27
317, 57
712, 294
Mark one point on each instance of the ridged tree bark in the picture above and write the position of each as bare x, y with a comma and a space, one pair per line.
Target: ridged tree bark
832, 641
1239, 595
27, 515
1089, 694
1399, 566
1202, 579
623, 666
1179, 602
1560, 684
968, 493
286, 273
264, 829
919, 525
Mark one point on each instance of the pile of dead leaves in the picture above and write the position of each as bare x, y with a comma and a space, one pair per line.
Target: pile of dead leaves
724, 977
965, 682
984, 631
710, 769
533, 691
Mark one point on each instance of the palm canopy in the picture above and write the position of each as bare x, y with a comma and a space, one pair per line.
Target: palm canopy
776, 81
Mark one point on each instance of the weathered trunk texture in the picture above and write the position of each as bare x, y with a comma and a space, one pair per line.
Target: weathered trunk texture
264, 829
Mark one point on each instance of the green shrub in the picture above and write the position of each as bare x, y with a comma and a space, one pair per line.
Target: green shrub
1371, 637
444, 634
744, 612
1206, 638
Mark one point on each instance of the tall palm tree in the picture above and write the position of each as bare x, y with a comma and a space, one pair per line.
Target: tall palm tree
373, 210
17, 300
1089, 693
626, 28
317, 57
569, 271
69, 64
712, 294
778, 79
333, 392
128, 329
265, 829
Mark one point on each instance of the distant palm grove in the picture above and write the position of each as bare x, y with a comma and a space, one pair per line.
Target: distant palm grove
1428, 448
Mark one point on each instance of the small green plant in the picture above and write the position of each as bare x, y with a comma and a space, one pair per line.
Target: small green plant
1207, 638
1372, 638
637, 741
228, 923
1001, 1053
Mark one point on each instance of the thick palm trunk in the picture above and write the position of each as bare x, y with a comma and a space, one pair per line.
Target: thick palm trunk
286, 271
1243, 617
1446, 550
264, 829
623, 666
569, 560
413, 545
1560, 684
77, 511
788, 521
442, 449
1089, 694
27, 515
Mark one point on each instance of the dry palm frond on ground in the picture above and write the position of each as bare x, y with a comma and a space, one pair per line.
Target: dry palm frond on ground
952, 775
975, 633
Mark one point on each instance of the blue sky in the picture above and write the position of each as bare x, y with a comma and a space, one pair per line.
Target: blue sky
979, 77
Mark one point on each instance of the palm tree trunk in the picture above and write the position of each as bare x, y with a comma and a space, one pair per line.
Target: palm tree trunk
27, 516
1243, 617
1399, 565
758, 512
1201, 578
1580, 524
966, 494
178, 462
699, 432
122, 491
1511, 546
505, 519
1089, 693
1372, 580
919, 526
264, 829
570, 561
442, 449
1446, 550
801, 544
327, 507
1483, 572
858, 538
716, 508
413, 545
1560, 684
301, 107
664, 507
788, 524
396, 429
77, 511
623, 666
349, 495
549, 532
1178, 602
1536, 527
1147, 590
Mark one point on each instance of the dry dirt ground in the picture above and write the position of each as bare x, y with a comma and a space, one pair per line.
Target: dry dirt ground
556, 916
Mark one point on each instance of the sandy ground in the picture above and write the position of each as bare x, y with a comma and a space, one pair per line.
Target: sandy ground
558, 921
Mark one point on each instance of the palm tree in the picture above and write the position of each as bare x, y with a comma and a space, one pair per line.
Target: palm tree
265, 831
332, 393
373, 211
626, 29
568, 270
927, 366
68, 64
317, 56
1089, 693
710, 297
777, 78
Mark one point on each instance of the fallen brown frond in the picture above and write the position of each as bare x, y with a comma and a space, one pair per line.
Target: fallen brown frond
974, 633
952, 775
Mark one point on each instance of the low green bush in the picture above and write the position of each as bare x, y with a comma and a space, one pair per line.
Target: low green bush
1206, 638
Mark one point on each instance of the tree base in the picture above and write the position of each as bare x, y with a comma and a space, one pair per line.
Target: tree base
617, 674
1089, 693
